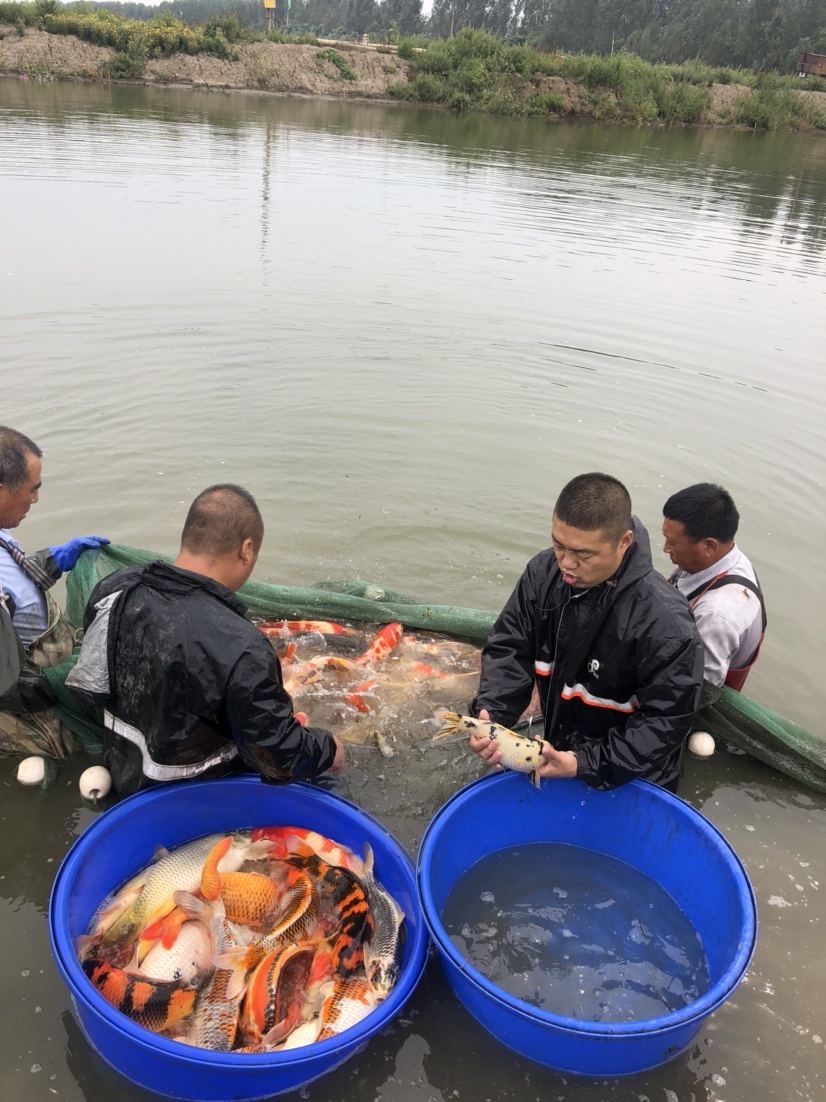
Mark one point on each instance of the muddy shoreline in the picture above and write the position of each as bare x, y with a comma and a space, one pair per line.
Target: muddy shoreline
273, 68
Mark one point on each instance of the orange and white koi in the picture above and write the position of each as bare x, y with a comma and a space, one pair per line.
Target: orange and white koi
356, 698
156, 1006
302, 627
291, 841
189, 955
385, 642
296, 920
349, 1002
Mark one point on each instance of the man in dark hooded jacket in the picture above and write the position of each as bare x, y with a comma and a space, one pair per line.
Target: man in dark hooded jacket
611, 646
188, 684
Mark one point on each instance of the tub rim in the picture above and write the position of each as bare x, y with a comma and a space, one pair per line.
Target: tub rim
153, 1043
650, 1027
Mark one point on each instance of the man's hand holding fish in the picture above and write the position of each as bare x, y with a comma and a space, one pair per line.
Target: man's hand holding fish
557, 764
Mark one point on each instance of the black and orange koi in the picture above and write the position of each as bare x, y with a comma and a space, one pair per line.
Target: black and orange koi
155, 1005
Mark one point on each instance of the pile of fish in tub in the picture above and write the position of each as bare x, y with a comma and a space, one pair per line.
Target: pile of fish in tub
259, 941
371, 686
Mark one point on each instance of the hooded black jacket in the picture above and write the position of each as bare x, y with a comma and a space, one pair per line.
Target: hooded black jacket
193, 676
619, 667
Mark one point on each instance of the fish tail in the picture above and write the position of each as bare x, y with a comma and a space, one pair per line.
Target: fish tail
536, 780
210, 877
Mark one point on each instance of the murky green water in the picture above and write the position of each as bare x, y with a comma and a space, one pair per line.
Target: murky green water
403, 331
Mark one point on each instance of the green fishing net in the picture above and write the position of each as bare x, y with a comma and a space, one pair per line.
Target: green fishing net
734, 718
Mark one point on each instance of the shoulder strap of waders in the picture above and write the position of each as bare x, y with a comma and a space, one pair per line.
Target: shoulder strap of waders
732, 579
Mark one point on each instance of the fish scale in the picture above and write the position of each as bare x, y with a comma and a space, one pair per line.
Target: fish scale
382, 954
351, 1000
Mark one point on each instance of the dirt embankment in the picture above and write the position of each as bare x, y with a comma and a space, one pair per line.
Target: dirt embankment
265, 66
270, 67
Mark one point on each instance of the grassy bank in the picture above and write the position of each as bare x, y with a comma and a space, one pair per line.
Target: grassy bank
475, 71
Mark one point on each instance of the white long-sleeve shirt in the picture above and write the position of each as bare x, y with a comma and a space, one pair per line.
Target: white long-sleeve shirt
728, 619
31, 617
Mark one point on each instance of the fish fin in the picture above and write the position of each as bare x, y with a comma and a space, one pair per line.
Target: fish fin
263, 847
210, 877
536, 780
86, 945
159, 854
192, 906
278, 1033
234, 960
368, 859
174, 923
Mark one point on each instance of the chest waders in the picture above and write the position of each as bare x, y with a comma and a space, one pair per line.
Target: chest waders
42, 732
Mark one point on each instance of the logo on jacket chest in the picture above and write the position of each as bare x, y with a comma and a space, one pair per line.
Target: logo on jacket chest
593, 667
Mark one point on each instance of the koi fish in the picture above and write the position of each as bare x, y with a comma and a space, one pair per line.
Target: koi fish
349, 1002
349, 912
301, 627
275, 993
179, 870
519, 752
382, 645
156, 1006
299, 842
248, 897
382, 954
296, 920
356, 698
188, 957
214, 1023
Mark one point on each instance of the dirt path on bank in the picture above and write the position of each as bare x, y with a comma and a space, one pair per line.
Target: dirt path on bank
271, 67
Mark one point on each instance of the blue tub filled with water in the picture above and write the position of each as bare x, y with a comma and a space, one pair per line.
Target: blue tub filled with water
639, 824
122, 842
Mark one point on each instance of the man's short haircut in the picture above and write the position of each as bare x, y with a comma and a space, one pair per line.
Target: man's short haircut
15, 452
705, 511
220, 519
596, 501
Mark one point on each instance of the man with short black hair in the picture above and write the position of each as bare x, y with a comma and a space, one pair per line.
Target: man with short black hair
611, 647
188, 684
718, 581
33, 632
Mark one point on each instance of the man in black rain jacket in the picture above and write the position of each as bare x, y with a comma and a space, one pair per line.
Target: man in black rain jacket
188, 684
611, 646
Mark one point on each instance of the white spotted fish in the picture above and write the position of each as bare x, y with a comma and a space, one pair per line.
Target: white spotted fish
382, 954
519, 752
185, 960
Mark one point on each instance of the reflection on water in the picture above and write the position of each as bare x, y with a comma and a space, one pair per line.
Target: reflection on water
404, 330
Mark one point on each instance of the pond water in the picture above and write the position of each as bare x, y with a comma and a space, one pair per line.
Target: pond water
403, 331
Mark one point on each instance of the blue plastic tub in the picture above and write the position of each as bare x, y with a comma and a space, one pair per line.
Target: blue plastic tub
640, 824
122, 841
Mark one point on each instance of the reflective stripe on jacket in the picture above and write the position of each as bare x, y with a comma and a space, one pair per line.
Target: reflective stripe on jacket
619, 667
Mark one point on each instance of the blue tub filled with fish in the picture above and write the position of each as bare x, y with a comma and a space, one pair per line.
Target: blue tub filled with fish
593, 932
248, 958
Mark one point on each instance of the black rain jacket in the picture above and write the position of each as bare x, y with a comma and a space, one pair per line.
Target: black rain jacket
619, 667
193, 676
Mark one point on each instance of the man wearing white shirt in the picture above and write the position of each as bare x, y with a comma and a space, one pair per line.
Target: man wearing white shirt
718, 581
33, 632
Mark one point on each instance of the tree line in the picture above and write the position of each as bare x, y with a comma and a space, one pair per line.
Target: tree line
758, 34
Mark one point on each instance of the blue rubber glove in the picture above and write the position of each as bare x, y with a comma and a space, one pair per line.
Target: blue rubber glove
67, 554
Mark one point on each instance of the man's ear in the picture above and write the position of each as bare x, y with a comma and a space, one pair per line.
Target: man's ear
246, 552
625, 541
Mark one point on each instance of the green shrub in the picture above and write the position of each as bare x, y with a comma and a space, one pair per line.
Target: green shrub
123, 66
337, 60
778, 109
